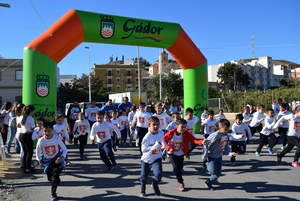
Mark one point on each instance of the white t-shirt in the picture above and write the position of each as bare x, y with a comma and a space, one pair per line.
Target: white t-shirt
283, 123
240, 132
204, 116
115, 122
37, 133
268, 126
247, 118
123, 122
220, 116
28, 126
150, 148
90, 113
81, 127
171, 126
177, 142
74, 113
130, 117
257, 119
102, 132
210, 126
6, 116
49, 148
61, 131
191, 124
164, 120
141, 119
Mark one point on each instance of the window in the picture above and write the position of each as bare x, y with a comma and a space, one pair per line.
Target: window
128, 81
0, 75
109, 81
109, 73
18, 99
118, 79
109, 89
118, 71
19, 75
128, 73
137, 72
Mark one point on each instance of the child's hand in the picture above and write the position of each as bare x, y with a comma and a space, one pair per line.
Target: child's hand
59, 160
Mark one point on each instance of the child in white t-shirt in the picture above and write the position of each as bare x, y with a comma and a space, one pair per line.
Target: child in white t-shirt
172, 125
123, 126
164, 118
192, 120
81, 131
210, 124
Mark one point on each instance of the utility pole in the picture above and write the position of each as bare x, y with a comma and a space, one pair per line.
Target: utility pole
139, 72
160, 63
6, 5
89, 72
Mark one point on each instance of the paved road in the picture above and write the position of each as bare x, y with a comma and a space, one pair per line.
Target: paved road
252, 178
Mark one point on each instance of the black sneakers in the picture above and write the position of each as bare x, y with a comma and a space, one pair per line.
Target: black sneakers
156, 188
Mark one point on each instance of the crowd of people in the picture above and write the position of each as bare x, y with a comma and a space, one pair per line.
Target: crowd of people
160, 132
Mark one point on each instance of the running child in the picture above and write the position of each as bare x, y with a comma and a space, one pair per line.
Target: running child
241, 132
220, 115
131, 126
217, 144
284, 125
124, 126
90, 113
192, 120
60, 128
51, 153
102, 132
204, 116
177, 146
81, 131
140, 120
247, 116
38, 131
256, 122
210, 124
293, 136
164, 118
267, 134
151, 159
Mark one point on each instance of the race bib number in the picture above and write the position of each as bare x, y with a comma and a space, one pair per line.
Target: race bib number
211, 128
177, 146
116, 125
123, 123
155, 151
297, 125
82, 128
60, 134
101, 135
50, 150
162, 122
141, 120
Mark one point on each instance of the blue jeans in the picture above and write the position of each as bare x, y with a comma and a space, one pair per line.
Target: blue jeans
214, 167
155, 167
12, 135
123, 135
106, 154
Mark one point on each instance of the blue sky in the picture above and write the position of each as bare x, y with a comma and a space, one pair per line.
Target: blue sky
222, 29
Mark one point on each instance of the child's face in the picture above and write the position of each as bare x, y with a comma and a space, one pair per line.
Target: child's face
48, 132
106, 118
297, 114
181, 128
260, 110
246, 110
81, 116
270, 114
223, 129
189, 116
99, 118
175, 117
115, 115
238, 121
142, 108
39, 124
210, 116
60, 120
158, 109
282, 109
124, 113
153, 127
205, 111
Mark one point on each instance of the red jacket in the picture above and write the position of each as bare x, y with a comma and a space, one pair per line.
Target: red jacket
187, 137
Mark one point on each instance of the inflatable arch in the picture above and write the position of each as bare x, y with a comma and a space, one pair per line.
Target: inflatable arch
42, 54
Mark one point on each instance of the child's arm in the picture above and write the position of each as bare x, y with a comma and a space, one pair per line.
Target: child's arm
248, 131
145, 146
117, 131
38, 151
283, 118
34, 134
62, 147
93, 133
88, 127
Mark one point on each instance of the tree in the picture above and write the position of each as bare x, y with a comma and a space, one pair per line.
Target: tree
143, 62
232, 77
172, 87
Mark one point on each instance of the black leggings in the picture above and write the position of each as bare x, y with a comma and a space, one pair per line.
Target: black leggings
53, 172
292, 141
177, 163
264, 139
141, 132
27, 145
255, 129
82, 142
4, 133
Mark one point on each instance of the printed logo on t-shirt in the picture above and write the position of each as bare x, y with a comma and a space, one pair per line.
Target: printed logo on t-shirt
123, 122
297, 125
82, 128
211, 128
155, 151
162, 122
50, 150
177, 146
101, 134
141, 120
93, 114
223, 142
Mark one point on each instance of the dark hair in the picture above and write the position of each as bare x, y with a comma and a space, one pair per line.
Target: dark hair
26, 112
153, 120
19, 109
205, 108
142, 104
133, 107
181, 121
100, 113
59, 116
48, 124
284, 106
239, 117
6, 106
189, 110
270, 110
158, 104
41, 119
224, 123
211, 112
221, 110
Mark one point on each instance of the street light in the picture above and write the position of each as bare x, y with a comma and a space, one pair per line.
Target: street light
6, 5
90, 88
